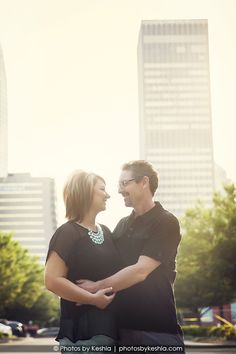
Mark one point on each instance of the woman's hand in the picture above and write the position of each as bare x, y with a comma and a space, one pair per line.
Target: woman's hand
103, 297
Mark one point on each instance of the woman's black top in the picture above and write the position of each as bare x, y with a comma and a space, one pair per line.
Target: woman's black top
85, 260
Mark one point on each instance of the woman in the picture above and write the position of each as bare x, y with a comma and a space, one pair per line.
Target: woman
82, 249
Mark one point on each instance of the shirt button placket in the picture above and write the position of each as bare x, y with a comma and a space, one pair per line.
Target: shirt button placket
130, 232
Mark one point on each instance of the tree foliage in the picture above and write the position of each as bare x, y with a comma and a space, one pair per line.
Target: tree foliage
22, 293
207, 255
45, 311
21, 276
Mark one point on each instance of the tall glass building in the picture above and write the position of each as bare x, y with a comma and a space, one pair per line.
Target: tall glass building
175, 110
3, 118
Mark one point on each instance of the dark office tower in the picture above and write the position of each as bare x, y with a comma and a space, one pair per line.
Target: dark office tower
175, 110
3, 118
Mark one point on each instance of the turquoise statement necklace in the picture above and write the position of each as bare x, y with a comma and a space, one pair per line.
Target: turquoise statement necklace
97, 236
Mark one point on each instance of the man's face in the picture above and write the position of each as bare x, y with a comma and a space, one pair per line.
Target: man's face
129, 189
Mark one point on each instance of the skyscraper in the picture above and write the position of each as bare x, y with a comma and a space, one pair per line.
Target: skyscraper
175, 110
27, 209
3, 118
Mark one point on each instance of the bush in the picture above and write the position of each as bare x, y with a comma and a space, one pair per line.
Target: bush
4, 335
195, 331
225, 331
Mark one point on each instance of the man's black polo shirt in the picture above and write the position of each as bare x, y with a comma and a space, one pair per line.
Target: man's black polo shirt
150, 305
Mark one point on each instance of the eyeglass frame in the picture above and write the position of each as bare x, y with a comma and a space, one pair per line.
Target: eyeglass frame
125, 182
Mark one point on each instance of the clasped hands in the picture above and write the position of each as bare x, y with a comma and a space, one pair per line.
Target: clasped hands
104, 296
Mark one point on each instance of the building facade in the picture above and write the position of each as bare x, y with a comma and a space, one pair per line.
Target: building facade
175, 110
3, 118
27, 209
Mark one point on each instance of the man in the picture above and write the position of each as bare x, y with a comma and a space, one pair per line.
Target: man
147, 241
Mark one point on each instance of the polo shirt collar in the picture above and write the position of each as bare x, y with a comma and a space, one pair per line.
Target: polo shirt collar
148, 216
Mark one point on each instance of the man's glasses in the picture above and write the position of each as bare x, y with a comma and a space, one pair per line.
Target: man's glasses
125, 182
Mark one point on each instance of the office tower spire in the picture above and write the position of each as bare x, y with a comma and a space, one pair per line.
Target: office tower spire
3, 118
175, 110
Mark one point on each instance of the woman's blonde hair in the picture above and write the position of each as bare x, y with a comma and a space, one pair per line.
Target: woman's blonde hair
78, 194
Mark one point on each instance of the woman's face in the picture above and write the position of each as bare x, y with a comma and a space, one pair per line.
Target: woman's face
100, 196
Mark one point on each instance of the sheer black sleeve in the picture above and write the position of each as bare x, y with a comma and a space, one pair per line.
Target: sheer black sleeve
62, 242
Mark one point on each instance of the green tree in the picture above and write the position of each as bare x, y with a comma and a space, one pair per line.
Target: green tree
224, 252
207, 255
46, 308
21, 276
45, 311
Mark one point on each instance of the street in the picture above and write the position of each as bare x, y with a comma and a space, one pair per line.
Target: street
30, 345
49, 345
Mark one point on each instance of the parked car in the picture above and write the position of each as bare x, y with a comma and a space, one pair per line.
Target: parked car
5, 330
17, 327
31, 328
47, 332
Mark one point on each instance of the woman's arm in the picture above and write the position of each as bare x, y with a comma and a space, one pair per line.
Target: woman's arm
55, 281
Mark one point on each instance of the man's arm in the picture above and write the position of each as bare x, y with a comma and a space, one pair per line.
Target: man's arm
125, 278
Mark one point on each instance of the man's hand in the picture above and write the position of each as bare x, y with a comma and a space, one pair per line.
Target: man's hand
88, 285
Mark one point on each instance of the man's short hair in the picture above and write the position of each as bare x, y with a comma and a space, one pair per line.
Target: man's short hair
78, 194
141, 168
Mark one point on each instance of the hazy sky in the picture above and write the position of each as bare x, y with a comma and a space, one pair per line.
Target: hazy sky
71, 70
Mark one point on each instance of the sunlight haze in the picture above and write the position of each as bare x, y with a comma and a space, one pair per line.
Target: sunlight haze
72, 85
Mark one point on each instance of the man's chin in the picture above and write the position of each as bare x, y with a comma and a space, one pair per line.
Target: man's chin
127, 203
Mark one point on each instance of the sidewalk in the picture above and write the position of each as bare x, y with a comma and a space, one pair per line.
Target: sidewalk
205, 344
188, 343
